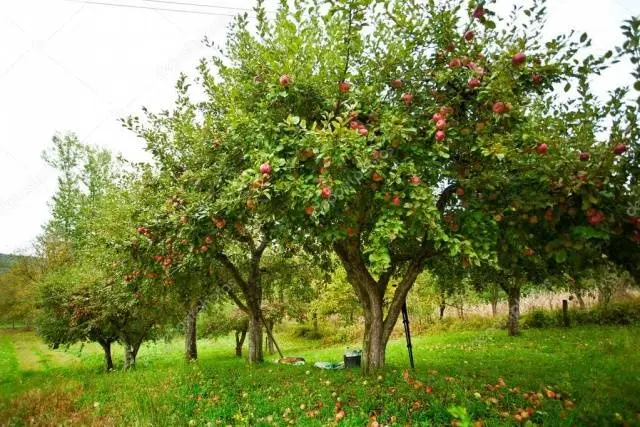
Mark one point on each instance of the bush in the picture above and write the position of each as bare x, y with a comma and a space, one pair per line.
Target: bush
308, 332
538, 319
615, 313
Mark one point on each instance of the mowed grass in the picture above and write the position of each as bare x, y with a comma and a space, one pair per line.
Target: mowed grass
594, 371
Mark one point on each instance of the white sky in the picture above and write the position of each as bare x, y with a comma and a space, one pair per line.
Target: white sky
68, 66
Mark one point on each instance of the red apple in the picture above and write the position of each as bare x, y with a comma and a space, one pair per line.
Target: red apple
437, 117
478, 12
376, 177
441, 124
415, 180
344, 86
285, 80
407, 98
325, 192
363, 131
251, 204
518, 58
528, 252
460, 191
265, 168
440, 135
473, 83
396, 84
619, 149
584, 156
309, 210
220, 222
499, 107
536, 78
455, 63
542, 148
395, 200
208, 239
468, 36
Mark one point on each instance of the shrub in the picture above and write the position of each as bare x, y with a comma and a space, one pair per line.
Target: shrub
308, 332
538, 319
615, 313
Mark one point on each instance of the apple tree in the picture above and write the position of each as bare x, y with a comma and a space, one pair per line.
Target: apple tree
390, 133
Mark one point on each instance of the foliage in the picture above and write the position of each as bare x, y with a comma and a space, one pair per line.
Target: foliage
316, 128
615, 313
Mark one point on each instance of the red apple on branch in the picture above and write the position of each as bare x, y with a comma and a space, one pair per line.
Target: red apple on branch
344, 86
325, 192
519, 58
265, 168
285, 80
619, 149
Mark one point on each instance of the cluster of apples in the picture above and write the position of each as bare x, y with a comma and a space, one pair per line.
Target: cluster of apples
440, 120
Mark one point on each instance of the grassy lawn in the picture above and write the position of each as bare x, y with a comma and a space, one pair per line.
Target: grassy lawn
594, 372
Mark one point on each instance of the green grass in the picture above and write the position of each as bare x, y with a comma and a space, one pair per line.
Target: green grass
596, 371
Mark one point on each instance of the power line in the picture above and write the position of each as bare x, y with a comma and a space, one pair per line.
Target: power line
131, 6
177, 3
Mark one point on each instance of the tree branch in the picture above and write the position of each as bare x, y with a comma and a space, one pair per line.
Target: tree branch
445, 196
233, 270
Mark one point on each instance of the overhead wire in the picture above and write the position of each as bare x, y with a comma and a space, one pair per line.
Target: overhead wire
161, 9
211, 6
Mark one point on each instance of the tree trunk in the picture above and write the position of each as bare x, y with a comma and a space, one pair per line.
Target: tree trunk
240, 336
580, 300
255, 354
443, 305
374, 344
106, 347
130, 354
270, 347
190, 323
514, 310
315, 322
494, 308
371, 294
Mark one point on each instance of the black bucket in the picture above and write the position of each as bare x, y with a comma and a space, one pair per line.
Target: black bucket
352, 361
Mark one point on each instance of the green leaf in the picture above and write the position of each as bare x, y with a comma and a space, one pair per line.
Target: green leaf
561, 256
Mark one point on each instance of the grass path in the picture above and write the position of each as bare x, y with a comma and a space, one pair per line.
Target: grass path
595, 372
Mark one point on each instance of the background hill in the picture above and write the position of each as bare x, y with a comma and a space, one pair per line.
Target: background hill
6, 261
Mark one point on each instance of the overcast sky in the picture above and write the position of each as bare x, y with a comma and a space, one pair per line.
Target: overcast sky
72, 66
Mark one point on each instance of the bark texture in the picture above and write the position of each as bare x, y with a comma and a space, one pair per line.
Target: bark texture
513, 321
190, 332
